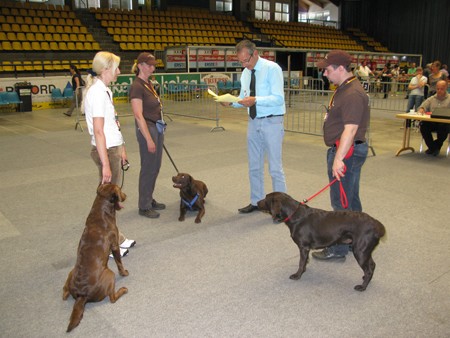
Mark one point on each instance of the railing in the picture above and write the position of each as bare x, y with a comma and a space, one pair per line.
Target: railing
305, 108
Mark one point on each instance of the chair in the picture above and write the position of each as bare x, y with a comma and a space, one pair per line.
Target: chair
448, 145
68, 93
88, 45
62, 45
54, 45
37, 64
17, 45
35, 45
26, 45
13, 99
11, 36
28, 65
57, 96
22, 37
79, 45
3, 101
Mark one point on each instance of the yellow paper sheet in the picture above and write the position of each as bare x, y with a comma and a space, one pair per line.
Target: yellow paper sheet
223, 98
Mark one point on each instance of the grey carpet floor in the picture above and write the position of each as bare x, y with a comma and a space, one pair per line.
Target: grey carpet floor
229, 275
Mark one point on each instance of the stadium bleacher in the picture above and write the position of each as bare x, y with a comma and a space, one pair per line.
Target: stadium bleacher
40, 37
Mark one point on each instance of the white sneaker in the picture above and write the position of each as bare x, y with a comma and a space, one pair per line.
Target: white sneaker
123, 253
127, 243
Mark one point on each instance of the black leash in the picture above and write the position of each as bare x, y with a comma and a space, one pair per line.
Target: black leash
125, 167
170, 158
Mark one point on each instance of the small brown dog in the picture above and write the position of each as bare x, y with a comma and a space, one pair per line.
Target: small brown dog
91, 280
315, 228
192, 193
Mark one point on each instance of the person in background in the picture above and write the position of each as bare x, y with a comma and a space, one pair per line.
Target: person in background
444, 70
108, 147
385, 79
266, 109
156, 84
77, 83
344, 132
412, 71
435, 76
395, 73
416, 88
147, 109
440, 100
363, 72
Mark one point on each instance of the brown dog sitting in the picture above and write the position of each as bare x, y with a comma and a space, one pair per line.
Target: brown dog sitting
91, 280
314, 229
192, 193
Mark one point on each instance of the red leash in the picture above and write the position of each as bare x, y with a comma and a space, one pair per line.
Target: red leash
344, 200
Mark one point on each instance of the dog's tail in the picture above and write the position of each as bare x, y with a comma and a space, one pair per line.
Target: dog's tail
77, 313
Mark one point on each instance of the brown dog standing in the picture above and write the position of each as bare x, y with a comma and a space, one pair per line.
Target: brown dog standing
91, 280
192, 193
314, 229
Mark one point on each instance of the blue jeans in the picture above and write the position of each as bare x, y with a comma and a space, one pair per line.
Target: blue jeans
265, 137
350, 182
414, 101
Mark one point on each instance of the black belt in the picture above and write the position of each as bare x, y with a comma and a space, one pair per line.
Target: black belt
356, 142
268, 116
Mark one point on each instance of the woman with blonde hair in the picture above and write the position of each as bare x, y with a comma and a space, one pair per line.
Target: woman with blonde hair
147, 109
108, 149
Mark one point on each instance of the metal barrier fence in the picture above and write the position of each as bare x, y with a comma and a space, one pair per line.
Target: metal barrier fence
190, 100
305, 108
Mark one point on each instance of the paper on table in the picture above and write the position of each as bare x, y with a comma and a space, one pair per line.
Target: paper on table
223, 98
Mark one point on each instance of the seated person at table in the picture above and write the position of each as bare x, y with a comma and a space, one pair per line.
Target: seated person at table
439, 100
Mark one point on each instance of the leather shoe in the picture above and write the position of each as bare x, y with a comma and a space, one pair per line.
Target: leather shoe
158, 206
248, 209
326, 254
150, 213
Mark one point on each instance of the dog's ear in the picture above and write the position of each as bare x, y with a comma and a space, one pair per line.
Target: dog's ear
275, 208
105, 189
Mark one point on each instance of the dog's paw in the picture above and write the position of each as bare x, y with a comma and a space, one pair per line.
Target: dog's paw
198, 220
124, 273
295, 276
181, 219
359, 287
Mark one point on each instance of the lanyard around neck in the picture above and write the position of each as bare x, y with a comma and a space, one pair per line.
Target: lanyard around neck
153, 91
343, 84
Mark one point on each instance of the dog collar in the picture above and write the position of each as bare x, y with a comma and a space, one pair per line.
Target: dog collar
290, 216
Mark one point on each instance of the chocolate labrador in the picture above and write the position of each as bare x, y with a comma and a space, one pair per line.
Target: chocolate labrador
91, 280
314, 229
192, 193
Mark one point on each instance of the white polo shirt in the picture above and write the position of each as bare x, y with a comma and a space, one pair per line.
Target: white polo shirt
98, 103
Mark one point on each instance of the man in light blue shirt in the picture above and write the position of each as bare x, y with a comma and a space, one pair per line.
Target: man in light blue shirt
265, 131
